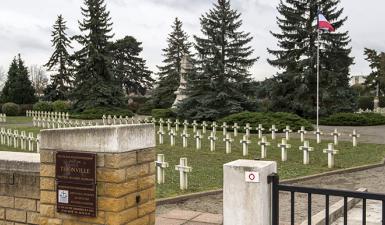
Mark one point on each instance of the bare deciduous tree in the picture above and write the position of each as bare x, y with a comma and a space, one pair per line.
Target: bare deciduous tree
39, 79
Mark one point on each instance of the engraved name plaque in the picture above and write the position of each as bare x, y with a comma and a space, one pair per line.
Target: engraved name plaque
76, 183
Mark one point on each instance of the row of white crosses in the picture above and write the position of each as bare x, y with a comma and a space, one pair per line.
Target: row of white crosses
183, 169
44, 114
115, 120
3, 118
19, 140
59, 123
247, 128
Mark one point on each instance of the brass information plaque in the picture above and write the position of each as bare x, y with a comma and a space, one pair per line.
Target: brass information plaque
76, 183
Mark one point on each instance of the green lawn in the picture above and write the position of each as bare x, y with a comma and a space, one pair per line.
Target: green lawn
207, 166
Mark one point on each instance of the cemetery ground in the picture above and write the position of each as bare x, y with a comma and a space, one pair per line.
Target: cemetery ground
207, 166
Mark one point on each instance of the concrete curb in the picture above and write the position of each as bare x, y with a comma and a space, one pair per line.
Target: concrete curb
182, 198
335, 211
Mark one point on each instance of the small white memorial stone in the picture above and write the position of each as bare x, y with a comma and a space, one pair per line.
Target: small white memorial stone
306, 152
318, 134
287, 132
302, 133
260, 130
355, 136
247, 129
263, 143
235, 128
228, 140
204, 127
161, 165
245, 145
172, 135
284, 146
224, 127
331, 152
183, 171
184, 136
194, 124
273, 131
335, 135
198, 139
212, 139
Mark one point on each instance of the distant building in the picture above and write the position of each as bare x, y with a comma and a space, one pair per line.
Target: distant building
357, 79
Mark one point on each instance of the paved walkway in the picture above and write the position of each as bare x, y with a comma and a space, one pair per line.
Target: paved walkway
188, 217
373, 214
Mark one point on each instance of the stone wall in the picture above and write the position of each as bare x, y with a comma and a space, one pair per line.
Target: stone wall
125, 173
19, 188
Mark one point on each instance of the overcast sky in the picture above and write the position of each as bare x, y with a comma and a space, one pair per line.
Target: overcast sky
25, 26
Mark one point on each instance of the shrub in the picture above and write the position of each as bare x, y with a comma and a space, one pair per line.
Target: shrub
24, 108
354, 119
280, 120
61, 106
11, 109
146, 108
162, 113
367, 102
97, 113
43, 106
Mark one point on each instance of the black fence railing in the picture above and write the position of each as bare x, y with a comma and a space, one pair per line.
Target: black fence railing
277, 187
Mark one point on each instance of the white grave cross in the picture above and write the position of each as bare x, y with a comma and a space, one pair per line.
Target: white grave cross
161, 165
287, 132
228, 140
284, 146
198, 139
306, 150
183, 171
335, 135
245, 145
212, 139
318, 134
331, 152
263, 143
355, 136
235, 128
273, 130
302, 133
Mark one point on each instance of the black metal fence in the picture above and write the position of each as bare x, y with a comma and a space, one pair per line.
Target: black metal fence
277, 187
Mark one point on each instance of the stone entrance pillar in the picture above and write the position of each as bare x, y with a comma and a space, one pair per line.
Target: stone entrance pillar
125, 173
247, 193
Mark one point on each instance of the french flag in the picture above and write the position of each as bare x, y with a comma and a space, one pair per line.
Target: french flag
323, 23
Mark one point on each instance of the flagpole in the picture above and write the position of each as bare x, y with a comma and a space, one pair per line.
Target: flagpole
318, 73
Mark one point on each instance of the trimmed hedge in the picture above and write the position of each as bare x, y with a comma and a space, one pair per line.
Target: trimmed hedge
11, 109
61, 106
43, 106
280, 120
162, 113
97, 113
367, 102
354, 119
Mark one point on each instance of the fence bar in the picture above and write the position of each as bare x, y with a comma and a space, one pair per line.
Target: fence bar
364, 211
327, 210
383, 212
292, 207
275, 201
345, 210
309, 208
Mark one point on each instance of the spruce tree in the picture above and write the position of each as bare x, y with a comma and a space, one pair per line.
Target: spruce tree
222, 83
295, 88
377, 64
60, 63
18, 88
169, 72
95, 84
129, 68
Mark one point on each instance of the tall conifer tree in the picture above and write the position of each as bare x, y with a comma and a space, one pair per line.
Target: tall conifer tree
59, 63
377, 64
95, 83
169, 72
129, 68
295, 88
18, 88
222, 83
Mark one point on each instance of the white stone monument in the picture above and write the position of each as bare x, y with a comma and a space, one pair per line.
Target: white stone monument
331, 152
306, 152
284, 146
183, 171
180, 93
